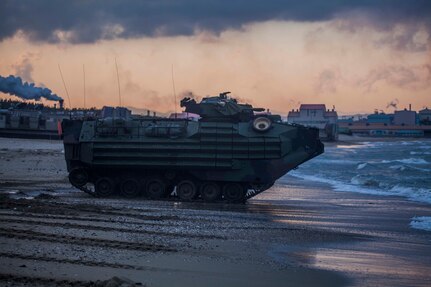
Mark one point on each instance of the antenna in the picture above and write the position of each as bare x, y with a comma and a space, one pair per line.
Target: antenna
173, 87
64, 84
118, 80
83, 70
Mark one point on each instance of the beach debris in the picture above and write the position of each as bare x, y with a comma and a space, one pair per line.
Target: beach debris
117, 282
45, 196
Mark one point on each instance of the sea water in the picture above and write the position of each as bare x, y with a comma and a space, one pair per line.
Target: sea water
401, 168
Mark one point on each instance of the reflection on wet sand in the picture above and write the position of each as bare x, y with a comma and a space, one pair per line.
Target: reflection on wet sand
375, 245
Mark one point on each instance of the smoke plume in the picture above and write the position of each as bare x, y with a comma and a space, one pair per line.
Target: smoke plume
189, 94
393, 104
27, 91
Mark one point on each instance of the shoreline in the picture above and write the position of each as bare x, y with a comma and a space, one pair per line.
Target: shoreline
356, 140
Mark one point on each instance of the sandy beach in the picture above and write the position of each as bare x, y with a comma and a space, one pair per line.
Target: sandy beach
298, 233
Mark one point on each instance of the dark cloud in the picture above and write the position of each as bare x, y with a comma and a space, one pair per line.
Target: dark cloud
409, 37
90, 21
414, 77
405, 32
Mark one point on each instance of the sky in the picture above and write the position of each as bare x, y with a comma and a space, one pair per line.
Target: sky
358, 56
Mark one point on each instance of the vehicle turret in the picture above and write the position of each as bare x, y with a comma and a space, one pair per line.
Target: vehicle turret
220, 108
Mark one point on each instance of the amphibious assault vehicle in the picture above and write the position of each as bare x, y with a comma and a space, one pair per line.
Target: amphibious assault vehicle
217, 150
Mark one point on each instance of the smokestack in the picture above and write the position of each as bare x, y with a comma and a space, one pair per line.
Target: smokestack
27, 91
154, 114
61, 102
410, 107
148, 113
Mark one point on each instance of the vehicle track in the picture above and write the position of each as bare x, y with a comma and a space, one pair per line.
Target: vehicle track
141, 223
75, 210
80, 218
12, 279
32, 281
72, 209
106, 228
59, 208
55, 203
85, 241
80, 262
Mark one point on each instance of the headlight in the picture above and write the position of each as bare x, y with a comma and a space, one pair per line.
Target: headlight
261, 124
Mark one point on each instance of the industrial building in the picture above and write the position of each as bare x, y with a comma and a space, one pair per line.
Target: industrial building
405, 118
424, 116
402, 123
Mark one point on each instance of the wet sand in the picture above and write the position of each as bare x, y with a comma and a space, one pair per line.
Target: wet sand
297, 233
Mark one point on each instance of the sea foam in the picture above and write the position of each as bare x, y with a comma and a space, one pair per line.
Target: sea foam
398, 167
339, 185
362, 165
415, 194
335, 161
420, 153
421, 222
407, 161
364, 186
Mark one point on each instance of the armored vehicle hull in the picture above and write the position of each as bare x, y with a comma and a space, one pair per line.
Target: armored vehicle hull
208, 160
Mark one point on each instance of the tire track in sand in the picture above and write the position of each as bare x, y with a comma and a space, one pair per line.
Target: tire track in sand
81, 262
107, 228
85, 241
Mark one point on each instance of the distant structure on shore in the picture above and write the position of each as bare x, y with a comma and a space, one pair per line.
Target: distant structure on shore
425, 117
118, 112
29, 120
316, 115
402, 123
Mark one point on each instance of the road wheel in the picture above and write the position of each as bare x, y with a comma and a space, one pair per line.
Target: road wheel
130, 187
156, 188
210, 192
234, 192
104, 187
78, 177
186, 190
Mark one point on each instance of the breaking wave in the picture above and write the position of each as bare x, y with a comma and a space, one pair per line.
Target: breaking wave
335, 161
339, 185
360, 184
407, 161
415, 194
397, 168
420, 153
362, 165
421, 222
402, 167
